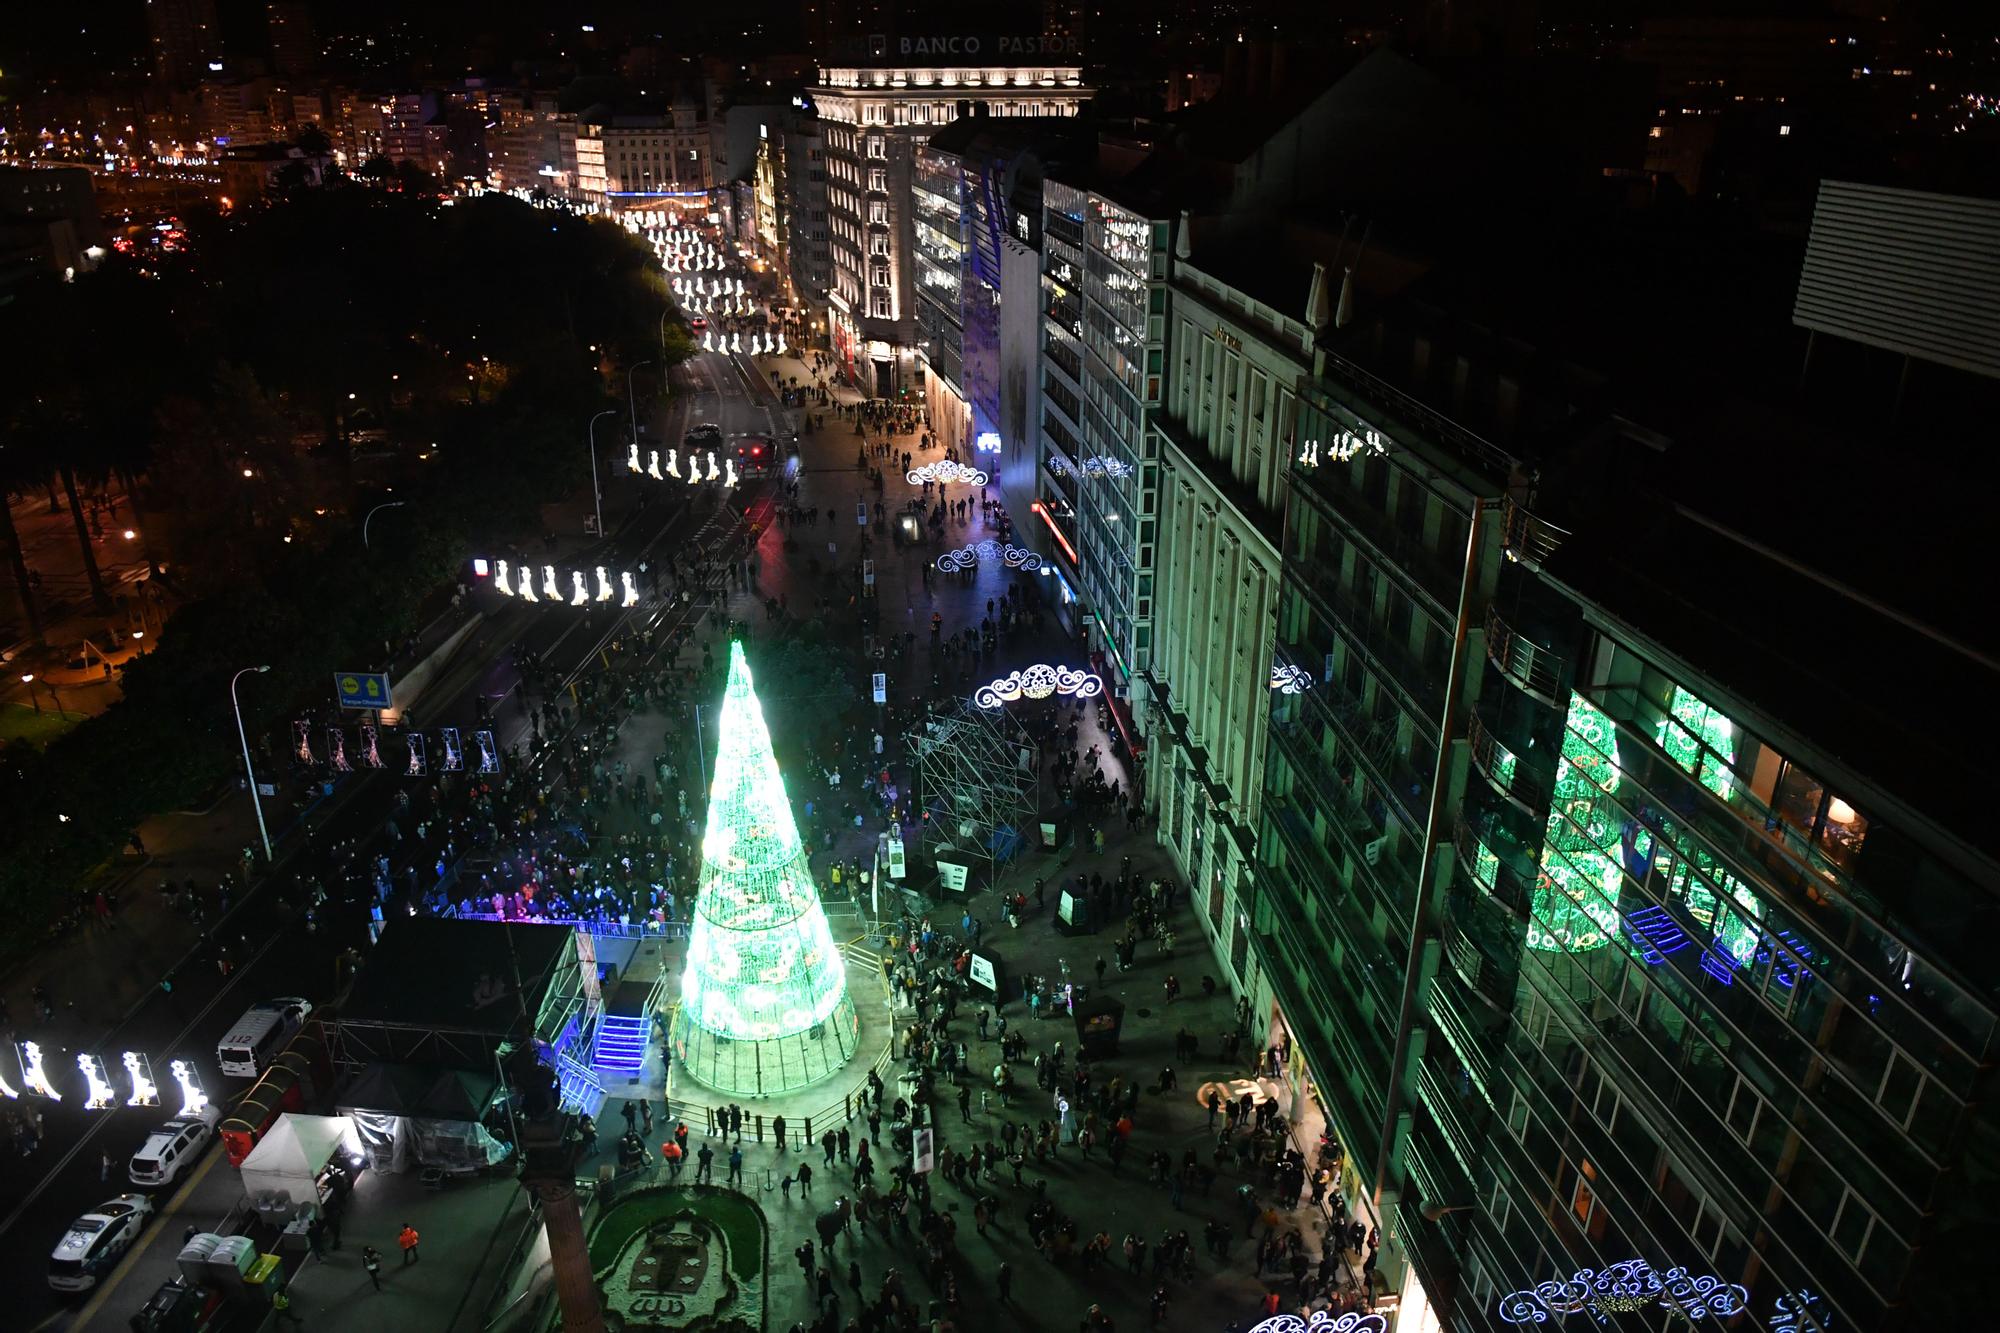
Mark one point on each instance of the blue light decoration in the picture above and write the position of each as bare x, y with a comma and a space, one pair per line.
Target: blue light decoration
1800, 1311
1621, 1288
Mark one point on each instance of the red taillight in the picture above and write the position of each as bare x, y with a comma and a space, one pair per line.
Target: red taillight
756, 450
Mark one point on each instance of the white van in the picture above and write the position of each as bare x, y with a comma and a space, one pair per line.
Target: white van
259, 1035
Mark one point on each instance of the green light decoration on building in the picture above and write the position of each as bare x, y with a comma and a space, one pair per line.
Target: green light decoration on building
1701, 740
1576, 894
764, 1005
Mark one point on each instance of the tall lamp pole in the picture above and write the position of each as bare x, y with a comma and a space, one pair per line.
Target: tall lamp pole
386, 504
629, 401
249, 774
596, 495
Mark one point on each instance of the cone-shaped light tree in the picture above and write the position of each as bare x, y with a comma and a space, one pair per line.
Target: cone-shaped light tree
764, 1003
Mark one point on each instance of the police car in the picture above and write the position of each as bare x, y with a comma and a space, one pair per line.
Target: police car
172, 1147
96, 1241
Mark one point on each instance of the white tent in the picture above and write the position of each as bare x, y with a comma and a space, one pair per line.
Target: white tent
281, 1172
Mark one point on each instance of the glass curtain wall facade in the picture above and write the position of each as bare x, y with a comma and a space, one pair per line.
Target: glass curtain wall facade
938, 194
1104, 274
1061, 480
1631, 993
1382, 553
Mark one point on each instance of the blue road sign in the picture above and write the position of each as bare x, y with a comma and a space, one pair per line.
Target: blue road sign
362, 689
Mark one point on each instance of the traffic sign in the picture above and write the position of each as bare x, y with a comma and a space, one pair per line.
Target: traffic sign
362, 689
880, 684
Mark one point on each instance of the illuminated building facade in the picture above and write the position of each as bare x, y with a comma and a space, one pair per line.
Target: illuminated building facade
978, 201
1236, 347
1104, 270
1610, 938
872, 117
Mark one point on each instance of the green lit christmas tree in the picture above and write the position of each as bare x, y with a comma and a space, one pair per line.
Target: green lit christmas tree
764, 1004
1574, 904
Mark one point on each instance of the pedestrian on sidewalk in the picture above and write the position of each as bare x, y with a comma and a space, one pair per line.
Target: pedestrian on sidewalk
371, 1259
408, 1239
104, 1169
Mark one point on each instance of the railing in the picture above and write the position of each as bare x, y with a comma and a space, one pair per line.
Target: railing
1503, 769
1492, 983
1530, 540
1534, 668
800, 1132
1490, 871
1432, 422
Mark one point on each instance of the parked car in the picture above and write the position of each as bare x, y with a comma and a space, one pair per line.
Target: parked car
173, 1146
95, 1241
260, 1034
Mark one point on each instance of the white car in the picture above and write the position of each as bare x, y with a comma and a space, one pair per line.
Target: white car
172, 1147
95, 1241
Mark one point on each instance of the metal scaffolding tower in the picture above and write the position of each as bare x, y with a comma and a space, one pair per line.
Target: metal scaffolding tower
978, 782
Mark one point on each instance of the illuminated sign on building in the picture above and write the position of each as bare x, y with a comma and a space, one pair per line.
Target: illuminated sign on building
1343, 448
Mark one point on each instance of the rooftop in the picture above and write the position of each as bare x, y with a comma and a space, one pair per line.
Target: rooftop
457, 976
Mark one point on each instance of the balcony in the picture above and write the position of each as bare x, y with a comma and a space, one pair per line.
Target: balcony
1535, 669
1460, 1117
1475, 962
1529, 540
1505, 873
1522, 786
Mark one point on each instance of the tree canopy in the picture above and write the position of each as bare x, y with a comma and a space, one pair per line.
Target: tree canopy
482, 328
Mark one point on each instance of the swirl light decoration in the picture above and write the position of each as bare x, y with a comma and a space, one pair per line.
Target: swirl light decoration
1324, 1321
965, 557
1623, 1287
1038, 682
945, 470
1106, 467
1289, 679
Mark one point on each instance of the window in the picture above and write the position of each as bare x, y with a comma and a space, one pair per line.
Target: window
882, 308
1853, 1225
1746, 1108
878, 244
878, 179
878, 146
878, 211
1583, 1200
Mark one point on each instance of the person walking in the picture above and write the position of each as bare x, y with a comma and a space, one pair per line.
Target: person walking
805, 1180
704, 1164
735, 1165
408, 1239
965, 1102
371, 1259
1004, 1281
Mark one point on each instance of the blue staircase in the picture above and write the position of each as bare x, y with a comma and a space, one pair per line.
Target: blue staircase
620, 1049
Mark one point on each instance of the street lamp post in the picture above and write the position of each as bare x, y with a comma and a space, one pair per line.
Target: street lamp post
28, 679
596, 495
663, 331
249, 774
386, 504
630, 401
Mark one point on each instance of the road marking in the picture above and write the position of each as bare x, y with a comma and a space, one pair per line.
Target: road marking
146, 1237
